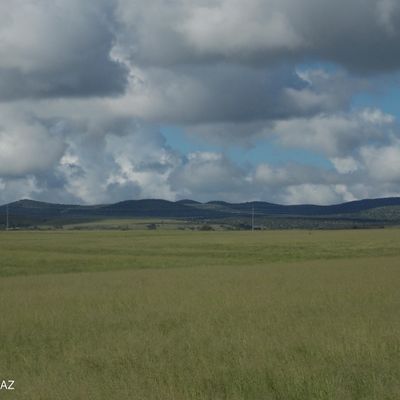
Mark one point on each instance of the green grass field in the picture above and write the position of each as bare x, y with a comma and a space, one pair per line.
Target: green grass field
174, 315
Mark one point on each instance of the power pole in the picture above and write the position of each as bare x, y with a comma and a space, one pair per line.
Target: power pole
252, 219
7, 217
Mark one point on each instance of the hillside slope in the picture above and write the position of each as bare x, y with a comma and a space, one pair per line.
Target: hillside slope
29, 212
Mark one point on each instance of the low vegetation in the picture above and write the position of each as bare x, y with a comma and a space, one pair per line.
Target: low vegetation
173, 315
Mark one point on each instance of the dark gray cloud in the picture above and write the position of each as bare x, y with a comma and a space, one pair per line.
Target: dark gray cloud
58, 49
106, 79
226, 93
80, 48
361, 35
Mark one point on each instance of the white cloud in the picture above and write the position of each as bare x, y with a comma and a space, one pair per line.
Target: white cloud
18, 188
217, 29
386, 11
206, 176
345, 165
382, 163
312, 194
336, 135
27, 146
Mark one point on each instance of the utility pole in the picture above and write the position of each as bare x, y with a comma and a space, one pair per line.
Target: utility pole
7, 217
252, 219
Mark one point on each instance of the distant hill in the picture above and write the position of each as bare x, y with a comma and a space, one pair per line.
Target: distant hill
29, 212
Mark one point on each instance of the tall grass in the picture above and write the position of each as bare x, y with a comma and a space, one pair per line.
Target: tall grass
292, 327
25, 253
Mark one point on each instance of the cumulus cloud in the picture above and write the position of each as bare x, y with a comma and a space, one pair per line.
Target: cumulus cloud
314, 194
205, 98
85, 87
262, 32
57, 49
27, 146
382, 163
207, 175
345, 165
213, 29
127, 161
336, 135
134, 161
386, 10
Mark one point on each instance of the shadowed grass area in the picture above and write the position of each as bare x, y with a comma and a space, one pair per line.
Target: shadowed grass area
321, 323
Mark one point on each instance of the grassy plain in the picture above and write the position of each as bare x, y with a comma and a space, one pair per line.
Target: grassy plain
174, 315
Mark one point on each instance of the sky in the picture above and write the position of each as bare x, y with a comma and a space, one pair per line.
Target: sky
286, 101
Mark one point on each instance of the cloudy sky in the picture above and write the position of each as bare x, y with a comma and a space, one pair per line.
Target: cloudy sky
288, 101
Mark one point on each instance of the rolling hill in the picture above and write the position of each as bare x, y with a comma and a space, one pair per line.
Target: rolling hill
26, 213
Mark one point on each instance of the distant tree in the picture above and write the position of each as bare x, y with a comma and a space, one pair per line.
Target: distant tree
206, 227
245, 227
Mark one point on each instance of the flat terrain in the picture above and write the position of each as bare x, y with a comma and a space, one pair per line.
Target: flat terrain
173, 315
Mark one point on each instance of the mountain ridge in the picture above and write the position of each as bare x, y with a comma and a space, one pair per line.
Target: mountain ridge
190, 208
